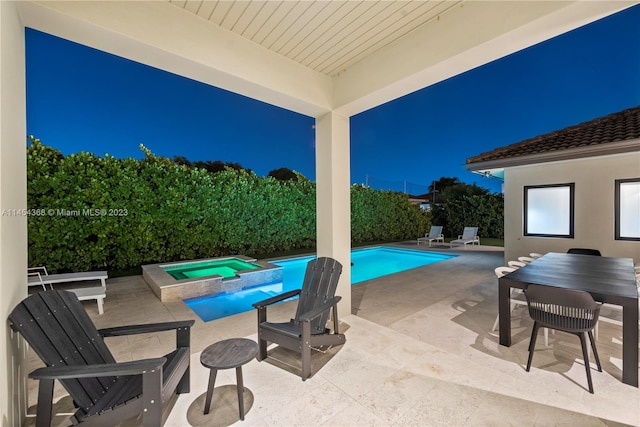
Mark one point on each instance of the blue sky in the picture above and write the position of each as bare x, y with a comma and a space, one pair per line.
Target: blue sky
81, 99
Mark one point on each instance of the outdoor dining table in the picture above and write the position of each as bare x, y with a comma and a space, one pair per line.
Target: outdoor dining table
607, 279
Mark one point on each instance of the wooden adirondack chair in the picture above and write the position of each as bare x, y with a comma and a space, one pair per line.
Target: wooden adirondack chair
308, 328
105, 392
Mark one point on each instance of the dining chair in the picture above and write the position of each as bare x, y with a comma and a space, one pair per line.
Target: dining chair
617, 308
526, 259
596, 252
568, 310
501, 271
535, 255
584, 251
516, 264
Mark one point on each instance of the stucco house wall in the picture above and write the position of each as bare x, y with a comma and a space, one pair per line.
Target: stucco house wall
594, 180
13, 196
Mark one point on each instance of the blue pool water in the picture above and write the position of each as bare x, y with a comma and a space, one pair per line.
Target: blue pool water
368, 264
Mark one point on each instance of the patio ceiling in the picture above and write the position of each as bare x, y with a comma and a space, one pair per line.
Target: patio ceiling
314, 56
326, 36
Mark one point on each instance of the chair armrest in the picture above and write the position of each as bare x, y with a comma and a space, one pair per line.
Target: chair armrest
136, 367
40, 281
277, 298
310, 315
40, 269
145, 328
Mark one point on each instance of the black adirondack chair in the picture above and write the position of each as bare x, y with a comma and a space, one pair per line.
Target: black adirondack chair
308, 328
105, 392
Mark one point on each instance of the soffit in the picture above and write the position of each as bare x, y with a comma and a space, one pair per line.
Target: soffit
326, 36
369, 52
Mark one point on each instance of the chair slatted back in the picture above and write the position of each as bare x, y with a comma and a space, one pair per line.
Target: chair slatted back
319, 286
469, 233
565, 309
435, 231
59, 330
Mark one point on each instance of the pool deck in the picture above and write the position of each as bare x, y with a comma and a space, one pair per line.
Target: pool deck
419, 351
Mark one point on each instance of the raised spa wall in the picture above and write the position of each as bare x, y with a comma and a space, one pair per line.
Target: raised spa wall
167, 288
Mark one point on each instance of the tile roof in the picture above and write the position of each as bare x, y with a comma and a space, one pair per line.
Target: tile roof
595, 137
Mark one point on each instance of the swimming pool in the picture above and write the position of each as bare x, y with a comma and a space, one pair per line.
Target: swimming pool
369, 263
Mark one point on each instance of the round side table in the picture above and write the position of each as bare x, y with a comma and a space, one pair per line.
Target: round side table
227, 354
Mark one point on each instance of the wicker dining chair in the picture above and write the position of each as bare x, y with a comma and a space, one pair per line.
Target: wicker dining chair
566, 310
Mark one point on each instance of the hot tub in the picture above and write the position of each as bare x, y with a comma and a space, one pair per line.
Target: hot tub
226, 268
190, 279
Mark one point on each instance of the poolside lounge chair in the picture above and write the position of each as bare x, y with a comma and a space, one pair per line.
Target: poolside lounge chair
104, 392
38, 276
434, 234
469, 235
307, 329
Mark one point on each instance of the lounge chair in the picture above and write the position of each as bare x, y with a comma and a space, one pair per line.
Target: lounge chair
434, 234
308, 328
104, 392
469, 236
38, 276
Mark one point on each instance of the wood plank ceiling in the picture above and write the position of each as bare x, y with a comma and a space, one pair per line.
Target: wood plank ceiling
327, 36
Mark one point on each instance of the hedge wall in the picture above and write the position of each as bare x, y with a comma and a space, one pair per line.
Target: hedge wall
89, 212
485, 212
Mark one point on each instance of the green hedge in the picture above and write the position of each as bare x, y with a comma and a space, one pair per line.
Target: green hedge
485, 212
92, 212
384, 215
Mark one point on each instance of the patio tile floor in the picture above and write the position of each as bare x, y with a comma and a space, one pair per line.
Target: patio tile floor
419, 352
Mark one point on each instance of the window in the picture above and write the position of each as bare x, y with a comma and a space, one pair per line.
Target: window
627, 209
548, 210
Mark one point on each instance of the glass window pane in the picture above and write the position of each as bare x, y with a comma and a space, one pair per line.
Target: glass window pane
630, 209
549, 211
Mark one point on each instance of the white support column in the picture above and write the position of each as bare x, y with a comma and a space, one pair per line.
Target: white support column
13, 197
333, 198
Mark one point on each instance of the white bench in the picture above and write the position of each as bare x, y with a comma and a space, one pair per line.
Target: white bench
38, 276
